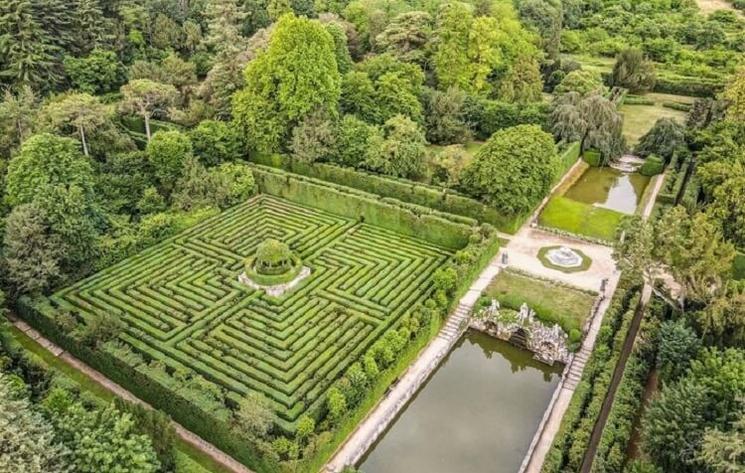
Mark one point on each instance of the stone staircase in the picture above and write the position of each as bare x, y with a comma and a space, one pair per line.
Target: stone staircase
456, 323
628, 163
577, 366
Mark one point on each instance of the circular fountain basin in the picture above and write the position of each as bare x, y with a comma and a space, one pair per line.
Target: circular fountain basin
564, 257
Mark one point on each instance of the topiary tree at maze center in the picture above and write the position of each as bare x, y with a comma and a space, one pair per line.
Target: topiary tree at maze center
272, 257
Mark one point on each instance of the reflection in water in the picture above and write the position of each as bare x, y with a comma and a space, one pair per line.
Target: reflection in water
609, 188
478, 413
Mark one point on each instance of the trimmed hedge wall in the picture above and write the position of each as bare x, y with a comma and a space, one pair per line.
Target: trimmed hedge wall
592, 158
438, 198
652, 166
435, 227
738, 266
570, 443
669, 83
492, 115
433, 197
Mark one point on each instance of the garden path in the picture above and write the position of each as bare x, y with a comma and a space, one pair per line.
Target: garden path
560, 402
207, 448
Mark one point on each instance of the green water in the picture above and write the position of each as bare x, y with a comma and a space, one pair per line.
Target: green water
478, 413
609, 188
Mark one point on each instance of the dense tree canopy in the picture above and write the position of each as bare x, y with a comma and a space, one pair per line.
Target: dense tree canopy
296, 75
46, 160
514, 168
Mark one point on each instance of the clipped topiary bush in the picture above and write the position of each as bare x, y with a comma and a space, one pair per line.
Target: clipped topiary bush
592, 157
652, 166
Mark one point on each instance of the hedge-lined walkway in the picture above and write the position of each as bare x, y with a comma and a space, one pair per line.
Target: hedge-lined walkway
207, 448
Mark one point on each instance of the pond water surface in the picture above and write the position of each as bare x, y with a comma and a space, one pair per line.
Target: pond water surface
477, 413
609, 188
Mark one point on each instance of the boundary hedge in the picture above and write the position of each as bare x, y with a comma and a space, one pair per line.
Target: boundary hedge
436, 227
571, 441
424, 195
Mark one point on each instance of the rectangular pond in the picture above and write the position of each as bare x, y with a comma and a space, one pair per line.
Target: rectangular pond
609, 188
477, 413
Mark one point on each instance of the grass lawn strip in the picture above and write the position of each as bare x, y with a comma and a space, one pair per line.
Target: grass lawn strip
580, 218
552, 302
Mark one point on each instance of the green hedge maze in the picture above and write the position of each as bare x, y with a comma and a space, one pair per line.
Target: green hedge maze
184, 306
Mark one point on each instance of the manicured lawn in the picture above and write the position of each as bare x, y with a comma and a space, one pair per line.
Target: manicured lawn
552, 302
580, 218
639, 119
188, 458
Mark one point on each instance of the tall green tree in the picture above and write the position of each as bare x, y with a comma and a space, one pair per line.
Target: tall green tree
407, 37
103, 440
582, 81
32, 260
445, 116
55, 19
724, 451
693, 248
225, 19
592, 120
18, 113
296, 75
513, 170
91, 28
663, 139
467, 49
403, 151
546, 17
144, 97
27, 438
27, 54
45, 160
633, 71
167, 152
734, 94
77, 111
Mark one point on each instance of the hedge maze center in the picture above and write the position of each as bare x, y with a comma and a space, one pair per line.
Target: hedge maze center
184, 305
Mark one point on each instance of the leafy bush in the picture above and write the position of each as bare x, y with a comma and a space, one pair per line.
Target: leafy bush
592, 157
652, 166
514, 169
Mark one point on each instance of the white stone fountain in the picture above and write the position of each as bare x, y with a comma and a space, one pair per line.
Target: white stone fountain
564, 257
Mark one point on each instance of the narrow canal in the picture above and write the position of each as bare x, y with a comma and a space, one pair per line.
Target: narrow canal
477, 413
